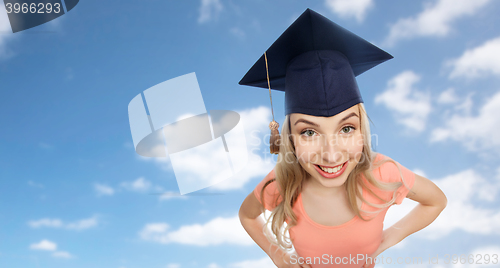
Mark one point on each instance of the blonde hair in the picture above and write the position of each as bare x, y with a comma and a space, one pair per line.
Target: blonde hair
290, 175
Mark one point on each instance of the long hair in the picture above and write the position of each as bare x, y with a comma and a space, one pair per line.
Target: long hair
290, 175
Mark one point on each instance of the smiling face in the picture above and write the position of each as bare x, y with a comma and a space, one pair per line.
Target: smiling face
328, 148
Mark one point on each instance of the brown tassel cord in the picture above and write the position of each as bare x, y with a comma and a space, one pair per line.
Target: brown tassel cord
274, 140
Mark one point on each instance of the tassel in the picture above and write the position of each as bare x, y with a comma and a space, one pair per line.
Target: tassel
274, 140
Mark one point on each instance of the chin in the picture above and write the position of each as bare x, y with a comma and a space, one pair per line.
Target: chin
331, 183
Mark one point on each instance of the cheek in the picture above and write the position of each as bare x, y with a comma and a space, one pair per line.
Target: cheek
306, 152
356, 147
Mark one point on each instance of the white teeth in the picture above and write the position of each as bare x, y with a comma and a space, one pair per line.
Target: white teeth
331, 170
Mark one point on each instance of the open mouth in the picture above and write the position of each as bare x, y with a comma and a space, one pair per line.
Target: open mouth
332, 169
331, 172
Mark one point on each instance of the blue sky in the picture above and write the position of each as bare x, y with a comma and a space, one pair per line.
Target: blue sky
73, 192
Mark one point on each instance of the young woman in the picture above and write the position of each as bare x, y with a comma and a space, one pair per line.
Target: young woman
328, 185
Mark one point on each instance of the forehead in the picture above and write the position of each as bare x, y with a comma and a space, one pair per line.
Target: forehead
336, 118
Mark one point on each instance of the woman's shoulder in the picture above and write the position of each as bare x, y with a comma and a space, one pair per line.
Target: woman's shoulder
270, 178
386, 169
271, 191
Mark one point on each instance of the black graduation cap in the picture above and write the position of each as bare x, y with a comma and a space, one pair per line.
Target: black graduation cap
315, 62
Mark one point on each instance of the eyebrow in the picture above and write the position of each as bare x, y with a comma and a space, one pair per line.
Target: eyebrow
301, 120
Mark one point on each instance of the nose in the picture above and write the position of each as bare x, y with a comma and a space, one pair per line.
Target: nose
332, 152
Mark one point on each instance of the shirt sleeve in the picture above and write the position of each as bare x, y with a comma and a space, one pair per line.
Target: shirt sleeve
271, 193
390, 173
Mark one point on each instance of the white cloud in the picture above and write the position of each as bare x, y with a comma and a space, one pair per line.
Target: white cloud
57, 223
435, 20
211, 166
44, 245
265, 262
103, 189
62, 255
209, 10
466, 105
256, 168
173, 265
215, 232
47, 245
463, 190
410, 105
475, 132
478, 62
82, 224
448, 96
171, 195
255, 123
139, 185
350, 9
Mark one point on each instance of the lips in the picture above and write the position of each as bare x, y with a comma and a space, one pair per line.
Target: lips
331, 172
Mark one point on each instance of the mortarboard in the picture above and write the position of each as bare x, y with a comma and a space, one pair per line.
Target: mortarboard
315, 62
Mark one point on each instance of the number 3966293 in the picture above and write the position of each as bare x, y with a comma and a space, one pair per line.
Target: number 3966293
32, 7
471, 259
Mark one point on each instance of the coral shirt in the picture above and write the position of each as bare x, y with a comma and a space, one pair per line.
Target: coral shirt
339, 246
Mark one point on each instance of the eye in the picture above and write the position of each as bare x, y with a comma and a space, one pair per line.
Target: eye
348, 129
308, 132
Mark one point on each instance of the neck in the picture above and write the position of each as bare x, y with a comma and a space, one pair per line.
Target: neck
316, 188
